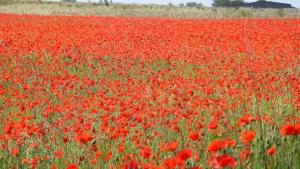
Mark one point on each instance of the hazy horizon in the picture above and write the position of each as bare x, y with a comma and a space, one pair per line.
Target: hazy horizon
295, 3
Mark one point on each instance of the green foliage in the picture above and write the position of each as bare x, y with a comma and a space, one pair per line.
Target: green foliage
218, 3
139, 10
106, 2
69, 0
228, 3
245, 13
280, 13
3, 1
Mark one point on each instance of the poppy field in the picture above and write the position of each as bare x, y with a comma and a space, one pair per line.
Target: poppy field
149, 93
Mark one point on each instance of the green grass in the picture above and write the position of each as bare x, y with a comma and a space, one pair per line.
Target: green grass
141, 10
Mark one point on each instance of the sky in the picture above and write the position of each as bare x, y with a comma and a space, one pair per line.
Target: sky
295, 3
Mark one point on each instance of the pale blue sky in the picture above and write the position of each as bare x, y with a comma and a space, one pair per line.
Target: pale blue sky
295, 3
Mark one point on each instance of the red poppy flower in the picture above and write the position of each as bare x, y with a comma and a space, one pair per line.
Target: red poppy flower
244, 154
271, 150
52, 166
72, 166
145, 152
58, 153
14, 151
215, 145
287, 129
213, 123
184, 154
172, 146
226, 160
131, 165
196, 167
229, 141
247, 136
84, 138
171, 162
297, 128
194, 136
245, 119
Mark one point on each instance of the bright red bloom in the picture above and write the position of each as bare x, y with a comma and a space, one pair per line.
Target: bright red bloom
145, 152
247, 136
194, 136
7, 128
52, 166
93, 161
213, 123
171, 163
72, 166
172, 146
84, 138
184, 154
245, 119
229, 141
215, 145
131, 165
58, 153
244, 154
196, 167
287, 129
120, 148
108, 155
297, 128
271, 150
226, 160
14, 151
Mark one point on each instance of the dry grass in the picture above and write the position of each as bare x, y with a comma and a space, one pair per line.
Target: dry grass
141, 10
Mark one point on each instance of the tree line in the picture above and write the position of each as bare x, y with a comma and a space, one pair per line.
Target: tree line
228, 3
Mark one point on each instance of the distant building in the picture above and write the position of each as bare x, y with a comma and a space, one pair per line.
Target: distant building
267, 4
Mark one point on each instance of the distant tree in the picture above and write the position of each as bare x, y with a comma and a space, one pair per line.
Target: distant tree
237, 3
228, 3
181, 5
106, 2
191, 4
200, 5
220, 3
194, 4
69, 0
